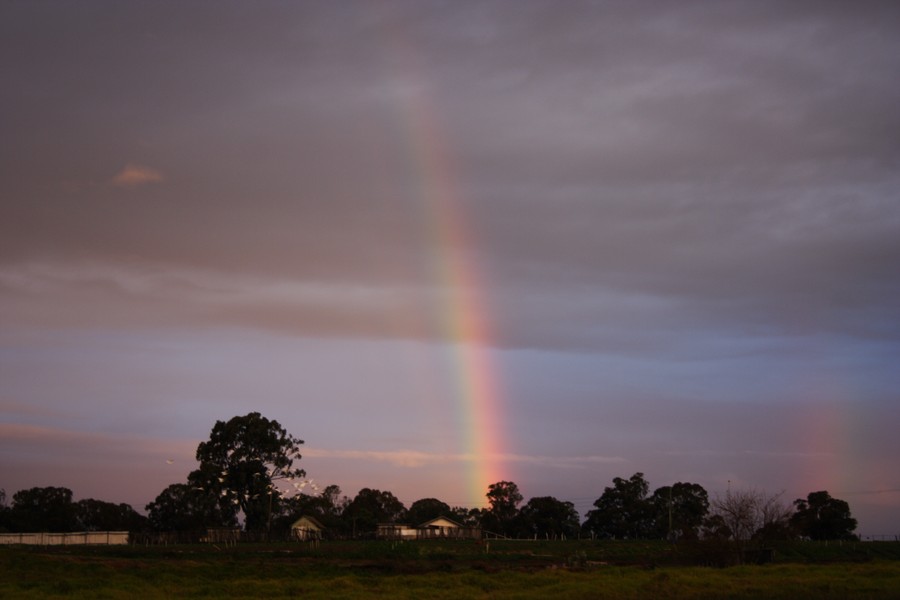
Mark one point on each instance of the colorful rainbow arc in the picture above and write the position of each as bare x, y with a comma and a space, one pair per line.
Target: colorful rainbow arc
462, 313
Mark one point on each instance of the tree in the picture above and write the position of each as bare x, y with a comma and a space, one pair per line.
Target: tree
426, 509
469, 517
326, 507
371, 507
739, 512
715, 528
547, 517
821, 517
43, 509
775, 519
332, 501
622, 511
97, 515
4, 512
241, 462
183, 507
751, 514
504, 498
679, 510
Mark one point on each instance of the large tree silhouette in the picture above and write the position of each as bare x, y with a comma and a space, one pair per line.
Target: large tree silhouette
241, 462
821, 517
43, 509
184, 507
427, 509
547, 517
622, 511
679, 510
504, 498
369, 508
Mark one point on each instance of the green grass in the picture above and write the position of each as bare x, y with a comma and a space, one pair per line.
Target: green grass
575, 569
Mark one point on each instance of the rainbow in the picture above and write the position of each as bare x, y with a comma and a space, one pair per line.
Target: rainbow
461, 313
828, 433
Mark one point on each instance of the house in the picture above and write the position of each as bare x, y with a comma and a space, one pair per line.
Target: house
306, 529
395, 531
439, 528
442, 527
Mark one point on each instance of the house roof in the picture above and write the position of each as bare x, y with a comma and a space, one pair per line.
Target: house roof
306, 520
444, 522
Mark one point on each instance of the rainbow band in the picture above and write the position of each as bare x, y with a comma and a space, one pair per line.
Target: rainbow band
462, 314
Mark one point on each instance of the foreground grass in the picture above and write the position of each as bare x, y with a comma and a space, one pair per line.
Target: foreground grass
282, 573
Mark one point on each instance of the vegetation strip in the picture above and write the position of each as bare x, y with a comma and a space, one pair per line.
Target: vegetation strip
570, 569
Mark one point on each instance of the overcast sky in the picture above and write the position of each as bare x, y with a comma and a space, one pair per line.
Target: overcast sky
658, 237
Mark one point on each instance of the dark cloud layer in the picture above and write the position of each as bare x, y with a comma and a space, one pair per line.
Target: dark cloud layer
740, 156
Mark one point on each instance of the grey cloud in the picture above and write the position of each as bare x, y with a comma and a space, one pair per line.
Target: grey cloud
734, 160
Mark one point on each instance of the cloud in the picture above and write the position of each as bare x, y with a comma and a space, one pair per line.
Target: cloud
415, 459
132, 176
11, 409
37, 442
137, 294
621, 177
752, 453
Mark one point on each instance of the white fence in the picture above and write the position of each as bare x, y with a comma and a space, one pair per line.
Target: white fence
81, 538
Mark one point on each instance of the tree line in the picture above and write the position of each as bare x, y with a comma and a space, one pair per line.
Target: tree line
247, 474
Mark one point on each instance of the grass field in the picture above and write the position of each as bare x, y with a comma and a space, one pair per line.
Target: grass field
443, 570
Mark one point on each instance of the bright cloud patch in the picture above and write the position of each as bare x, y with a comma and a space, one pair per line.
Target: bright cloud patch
135, 176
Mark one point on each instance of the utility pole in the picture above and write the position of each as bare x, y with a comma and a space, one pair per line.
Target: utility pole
269, 517
670, 513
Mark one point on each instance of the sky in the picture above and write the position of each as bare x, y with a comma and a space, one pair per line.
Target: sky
453, 243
